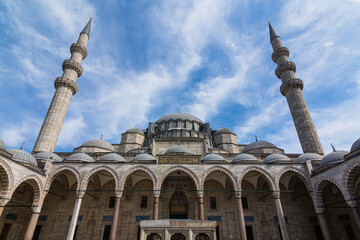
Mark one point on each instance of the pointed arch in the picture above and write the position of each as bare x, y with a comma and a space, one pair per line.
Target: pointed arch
93, 171
227, 172
318, 190
179, 168
268, 178
7, 178
300, 174
132, 170
350, 175
36, 184
59, 170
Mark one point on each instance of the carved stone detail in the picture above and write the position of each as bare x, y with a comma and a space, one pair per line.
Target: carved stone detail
70, 64
75, 47
288, 66
280, 52
70, 84
291, 83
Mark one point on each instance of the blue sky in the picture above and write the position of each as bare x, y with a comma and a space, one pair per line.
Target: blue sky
210, 58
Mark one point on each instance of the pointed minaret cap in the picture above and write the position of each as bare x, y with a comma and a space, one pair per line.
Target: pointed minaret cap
272, 32
86, 29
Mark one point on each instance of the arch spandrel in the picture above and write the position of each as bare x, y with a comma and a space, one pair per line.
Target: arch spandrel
267, 176
53, 176
302, 175
193, 176
129, 171
221, 169
87, 177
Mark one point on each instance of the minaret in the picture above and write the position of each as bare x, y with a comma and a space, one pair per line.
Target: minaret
65, 87
291, 88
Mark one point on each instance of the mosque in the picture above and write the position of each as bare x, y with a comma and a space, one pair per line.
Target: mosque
179, 178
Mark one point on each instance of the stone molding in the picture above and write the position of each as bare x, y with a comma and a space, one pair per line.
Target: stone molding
70, 64
220, 169
280, 52
75, 47
134, 169
86, 179
283, 67
66, 82
300, 174
291, 83
179, 168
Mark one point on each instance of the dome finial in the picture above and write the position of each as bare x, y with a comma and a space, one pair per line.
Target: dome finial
22, 146
256, 138
101, 136
179, 110
334, 150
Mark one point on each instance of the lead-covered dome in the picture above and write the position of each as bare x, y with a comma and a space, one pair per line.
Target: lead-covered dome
213, 157
223, 130
143, 157
112, 157
100, 144
2, 145
179, 116
22, 156
354, 147
48, 155
178, 149
257, 145
308, 157
276, 157
244, 157
82, 157
333, 157
135, 130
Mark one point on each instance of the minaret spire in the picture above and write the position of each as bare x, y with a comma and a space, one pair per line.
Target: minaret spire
65, 87
291, 88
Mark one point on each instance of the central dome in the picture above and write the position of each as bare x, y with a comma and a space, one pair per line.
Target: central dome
179, 116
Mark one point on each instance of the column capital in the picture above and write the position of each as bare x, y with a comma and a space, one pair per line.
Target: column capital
237, 194
276, 194
118, 193
80, 193
352, 203
157, 193
200, 193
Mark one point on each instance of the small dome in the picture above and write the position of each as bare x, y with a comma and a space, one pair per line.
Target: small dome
213, 157
354, 147
143, 157
243, 157
2, 145
179, 116
178, 149
223, 130
257, 145
100, 144
23, 157
135, 130
276, 157
308, 157
333, 157
83, 157
48, 155
112, 157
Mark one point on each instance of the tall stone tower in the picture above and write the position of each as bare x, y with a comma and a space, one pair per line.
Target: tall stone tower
65, 87
291, 88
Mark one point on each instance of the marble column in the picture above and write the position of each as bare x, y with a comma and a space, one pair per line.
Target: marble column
214, 234
190, 233
241, 217
74, 218
167, 234
142, 235
32, 224
115, 219
281, 218
200, 196
324, 229
156, 208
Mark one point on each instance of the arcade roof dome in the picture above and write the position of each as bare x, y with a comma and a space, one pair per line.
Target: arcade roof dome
276, 157
48, 155
83, 157
178, 149
258, 144
99, 143
354, 147
23, 156
333, 157
143, 157
2, 145
308, 157
112, 157
244, 157
213, 157
178, 116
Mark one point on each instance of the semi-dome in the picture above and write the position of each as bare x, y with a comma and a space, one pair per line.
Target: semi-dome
178, 149
48, 155
244, 157
112, 157
308, 157
333, 157
2, 145
354, 147
99, 143
179, 116
276, 157
135, 130
143, 157
23, 157
258, 144
213, 157
223, 130
83, 157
